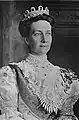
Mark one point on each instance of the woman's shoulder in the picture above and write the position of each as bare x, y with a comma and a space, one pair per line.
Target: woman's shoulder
64, 72
8, 71
70, 80
9, 74
68, 73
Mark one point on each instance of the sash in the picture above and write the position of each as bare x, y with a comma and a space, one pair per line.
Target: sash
32, 101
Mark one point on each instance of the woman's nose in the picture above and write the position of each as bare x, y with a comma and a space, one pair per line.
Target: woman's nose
43, 40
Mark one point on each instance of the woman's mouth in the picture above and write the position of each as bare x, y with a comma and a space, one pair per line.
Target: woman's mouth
43, 45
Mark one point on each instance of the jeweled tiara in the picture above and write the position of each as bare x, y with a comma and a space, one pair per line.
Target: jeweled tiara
33, 13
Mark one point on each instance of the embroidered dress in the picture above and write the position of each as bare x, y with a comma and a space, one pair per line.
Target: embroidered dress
34, 89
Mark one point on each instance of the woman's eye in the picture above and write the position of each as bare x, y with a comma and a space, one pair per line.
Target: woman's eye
49, 33
37, 34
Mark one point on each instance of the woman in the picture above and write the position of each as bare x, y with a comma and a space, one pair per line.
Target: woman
34, 89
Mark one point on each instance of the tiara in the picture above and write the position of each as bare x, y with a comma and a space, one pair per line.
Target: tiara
33, 13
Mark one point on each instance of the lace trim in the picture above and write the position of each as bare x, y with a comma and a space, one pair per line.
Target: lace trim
50, 101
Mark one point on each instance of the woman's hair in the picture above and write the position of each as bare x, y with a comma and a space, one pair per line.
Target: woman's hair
24, 26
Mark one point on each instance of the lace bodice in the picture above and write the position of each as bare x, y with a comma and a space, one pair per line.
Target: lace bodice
52, 90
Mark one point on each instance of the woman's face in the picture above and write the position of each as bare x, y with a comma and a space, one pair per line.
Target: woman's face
40, 37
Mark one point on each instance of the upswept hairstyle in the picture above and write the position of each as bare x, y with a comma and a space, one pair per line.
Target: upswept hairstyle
24, 25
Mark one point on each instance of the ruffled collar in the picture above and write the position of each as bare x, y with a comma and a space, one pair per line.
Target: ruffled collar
37, 59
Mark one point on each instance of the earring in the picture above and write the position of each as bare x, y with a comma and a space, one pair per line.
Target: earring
26, 41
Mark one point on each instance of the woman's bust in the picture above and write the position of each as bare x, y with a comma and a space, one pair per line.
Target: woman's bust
34, 88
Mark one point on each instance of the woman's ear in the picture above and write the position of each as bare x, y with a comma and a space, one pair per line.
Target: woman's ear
26, 40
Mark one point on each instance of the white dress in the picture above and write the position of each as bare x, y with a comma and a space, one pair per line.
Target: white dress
37, 90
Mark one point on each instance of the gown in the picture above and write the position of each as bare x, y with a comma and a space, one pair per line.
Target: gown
35, 89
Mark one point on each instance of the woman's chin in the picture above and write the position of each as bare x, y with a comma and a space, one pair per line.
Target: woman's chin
39, 52
43, 52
